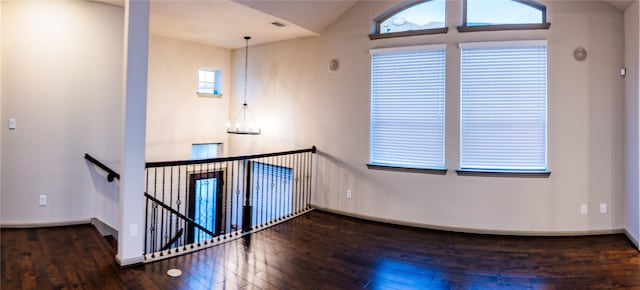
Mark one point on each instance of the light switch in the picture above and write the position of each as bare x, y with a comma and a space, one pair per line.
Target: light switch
12, 124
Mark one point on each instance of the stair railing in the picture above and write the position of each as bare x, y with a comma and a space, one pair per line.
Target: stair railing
194, 204
111, 174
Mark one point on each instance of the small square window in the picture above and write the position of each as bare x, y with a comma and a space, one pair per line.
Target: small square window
209, 81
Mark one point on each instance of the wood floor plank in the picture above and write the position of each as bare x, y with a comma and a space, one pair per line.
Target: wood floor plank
320, 250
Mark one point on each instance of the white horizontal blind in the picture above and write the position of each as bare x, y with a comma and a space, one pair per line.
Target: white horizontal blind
503, 106
206, 80
407, 107
204, 151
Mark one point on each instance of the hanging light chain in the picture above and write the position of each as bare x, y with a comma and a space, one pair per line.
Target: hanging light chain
242, 126
246, 66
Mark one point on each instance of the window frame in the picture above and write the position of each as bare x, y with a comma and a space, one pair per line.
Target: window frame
217, 80
497, 27
407, 167
397, 9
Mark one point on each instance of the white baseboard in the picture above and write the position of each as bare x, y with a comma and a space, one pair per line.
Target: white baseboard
129, 261
104, 228
472, 230
632, 239
46, 224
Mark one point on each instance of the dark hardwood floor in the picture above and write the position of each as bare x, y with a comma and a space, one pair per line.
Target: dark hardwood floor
325, 251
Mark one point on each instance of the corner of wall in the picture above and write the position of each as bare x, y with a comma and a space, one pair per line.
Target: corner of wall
632, 123
1, 113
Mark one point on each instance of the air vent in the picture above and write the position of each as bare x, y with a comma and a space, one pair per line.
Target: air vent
278, 24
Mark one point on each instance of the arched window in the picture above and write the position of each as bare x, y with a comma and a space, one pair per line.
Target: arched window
411, 18
483, 15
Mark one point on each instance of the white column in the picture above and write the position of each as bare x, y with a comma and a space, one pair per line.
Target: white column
134, 109
636, 83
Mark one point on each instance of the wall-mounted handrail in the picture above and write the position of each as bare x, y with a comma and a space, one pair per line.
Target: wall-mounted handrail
111, 174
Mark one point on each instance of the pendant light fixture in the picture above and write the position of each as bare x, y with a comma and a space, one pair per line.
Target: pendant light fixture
244, 123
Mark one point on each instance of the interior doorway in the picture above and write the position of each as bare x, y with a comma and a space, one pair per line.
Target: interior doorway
205, 204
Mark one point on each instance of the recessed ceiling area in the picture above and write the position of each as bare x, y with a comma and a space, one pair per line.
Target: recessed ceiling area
224, 23
314, 15
220, 23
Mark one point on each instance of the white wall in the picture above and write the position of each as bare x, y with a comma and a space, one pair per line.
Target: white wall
176, 116
631, 105
75, 54
278, 95
301, 104
62, 81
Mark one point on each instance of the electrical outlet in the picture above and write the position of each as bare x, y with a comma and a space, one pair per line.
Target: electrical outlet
133, 230
349, 194
603, 208
43, 200
584, 209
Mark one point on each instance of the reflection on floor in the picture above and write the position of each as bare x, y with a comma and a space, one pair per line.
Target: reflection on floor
325, 251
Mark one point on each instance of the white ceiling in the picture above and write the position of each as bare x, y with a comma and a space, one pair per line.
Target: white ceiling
224, 23
314, 15
221, 23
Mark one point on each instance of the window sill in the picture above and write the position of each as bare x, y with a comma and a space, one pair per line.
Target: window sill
407, 169
409, 33
499, 173
207, 95
503, 27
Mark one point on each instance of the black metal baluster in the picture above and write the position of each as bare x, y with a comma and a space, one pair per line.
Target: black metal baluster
219, 230
247, 210
303, 180
253, 184
161, 219
287, 190
293, 196
296, 182
210, 202
225, 201
146, 211
172, 220
300, 180
182, 223
281, 204
235, 194
146, 225
198, 197
154, 216
309, 177
276, 207
265, 194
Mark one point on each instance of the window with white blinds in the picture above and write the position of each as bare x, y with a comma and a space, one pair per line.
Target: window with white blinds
407, 107
503, 106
